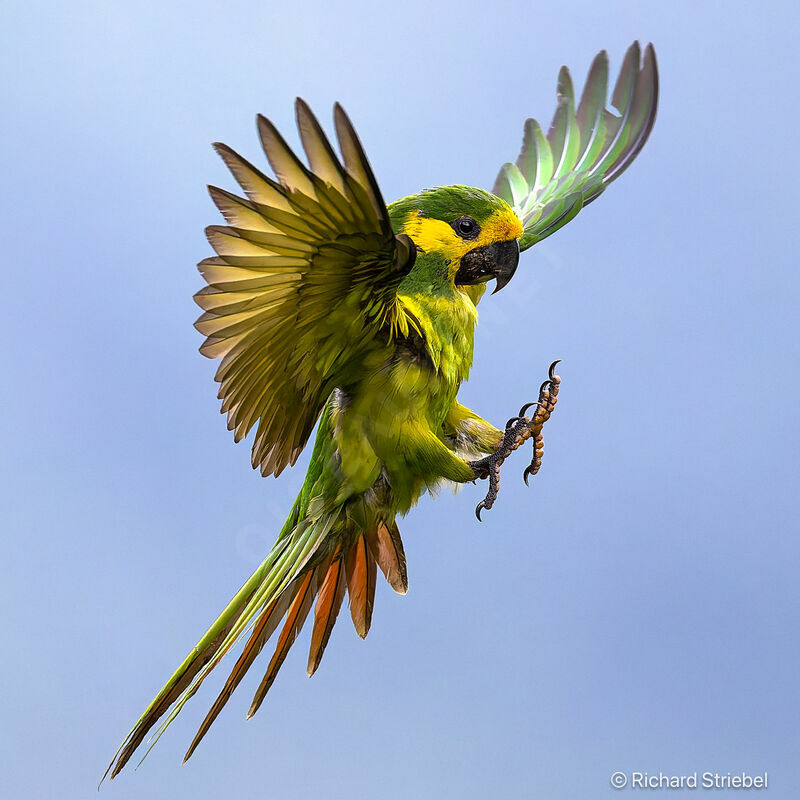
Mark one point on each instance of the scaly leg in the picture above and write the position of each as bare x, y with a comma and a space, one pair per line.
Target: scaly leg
518, 430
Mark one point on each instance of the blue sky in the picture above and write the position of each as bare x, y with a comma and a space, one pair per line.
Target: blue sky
637, 609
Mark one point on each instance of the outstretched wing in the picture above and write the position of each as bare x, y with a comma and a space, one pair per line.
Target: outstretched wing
305, 277
585, 149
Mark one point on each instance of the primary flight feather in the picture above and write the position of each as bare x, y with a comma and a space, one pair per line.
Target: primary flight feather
328, 308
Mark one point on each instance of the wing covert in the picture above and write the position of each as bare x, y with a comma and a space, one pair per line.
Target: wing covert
305, 277
586, 147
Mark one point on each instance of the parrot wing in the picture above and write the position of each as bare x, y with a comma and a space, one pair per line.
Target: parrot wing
585, 149
305, 276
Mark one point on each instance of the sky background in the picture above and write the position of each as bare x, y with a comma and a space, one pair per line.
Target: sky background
636, 610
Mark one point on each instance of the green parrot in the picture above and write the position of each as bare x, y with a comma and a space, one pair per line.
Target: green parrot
328, 308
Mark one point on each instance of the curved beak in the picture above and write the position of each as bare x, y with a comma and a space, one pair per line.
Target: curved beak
498, 260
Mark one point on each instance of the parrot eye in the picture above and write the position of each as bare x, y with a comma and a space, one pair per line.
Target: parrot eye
466, 228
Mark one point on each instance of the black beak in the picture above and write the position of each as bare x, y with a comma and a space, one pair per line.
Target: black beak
497, 260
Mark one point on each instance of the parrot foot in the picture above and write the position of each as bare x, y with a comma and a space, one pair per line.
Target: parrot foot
518, 430
548, 397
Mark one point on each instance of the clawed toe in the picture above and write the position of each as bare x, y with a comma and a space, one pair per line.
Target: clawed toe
548, 396
527, 474
518, 430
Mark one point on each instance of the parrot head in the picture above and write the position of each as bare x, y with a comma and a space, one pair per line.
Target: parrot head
475, 233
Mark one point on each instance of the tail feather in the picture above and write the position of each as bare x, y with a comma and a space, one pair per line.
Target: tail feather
329, 601
361, 574
181, 680
298, 611
162, 703
292, 562
262, 630
387, 549
284, 587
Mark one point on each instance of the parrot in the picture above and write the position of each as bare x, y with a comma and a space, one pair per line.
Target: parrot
329, 309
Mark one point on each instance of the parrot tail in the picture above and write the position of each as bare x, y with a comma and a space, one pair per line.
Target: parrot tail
278, 590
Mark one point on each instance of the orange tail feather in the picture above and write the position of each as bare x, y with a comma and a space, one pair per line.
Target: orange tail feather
361, 573
329, 602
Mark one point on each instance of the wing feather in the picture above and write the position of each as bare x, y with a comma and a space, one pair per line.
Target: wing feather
585, 149
363, 184
288, 168
590, 116
321, 158
257, 186
305, 278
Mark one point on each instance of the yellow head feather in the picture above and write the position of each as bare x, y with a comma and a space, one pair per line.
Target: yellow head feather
434, 235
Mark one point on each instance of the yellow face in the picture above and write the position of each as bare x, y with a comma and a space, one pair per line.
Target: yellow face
434, 235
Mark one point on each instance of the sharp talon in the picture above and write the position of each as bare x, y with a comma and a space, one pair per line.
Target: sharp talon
552, 371
526, 407
525, 475
544, 385
513, 421
478, 510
